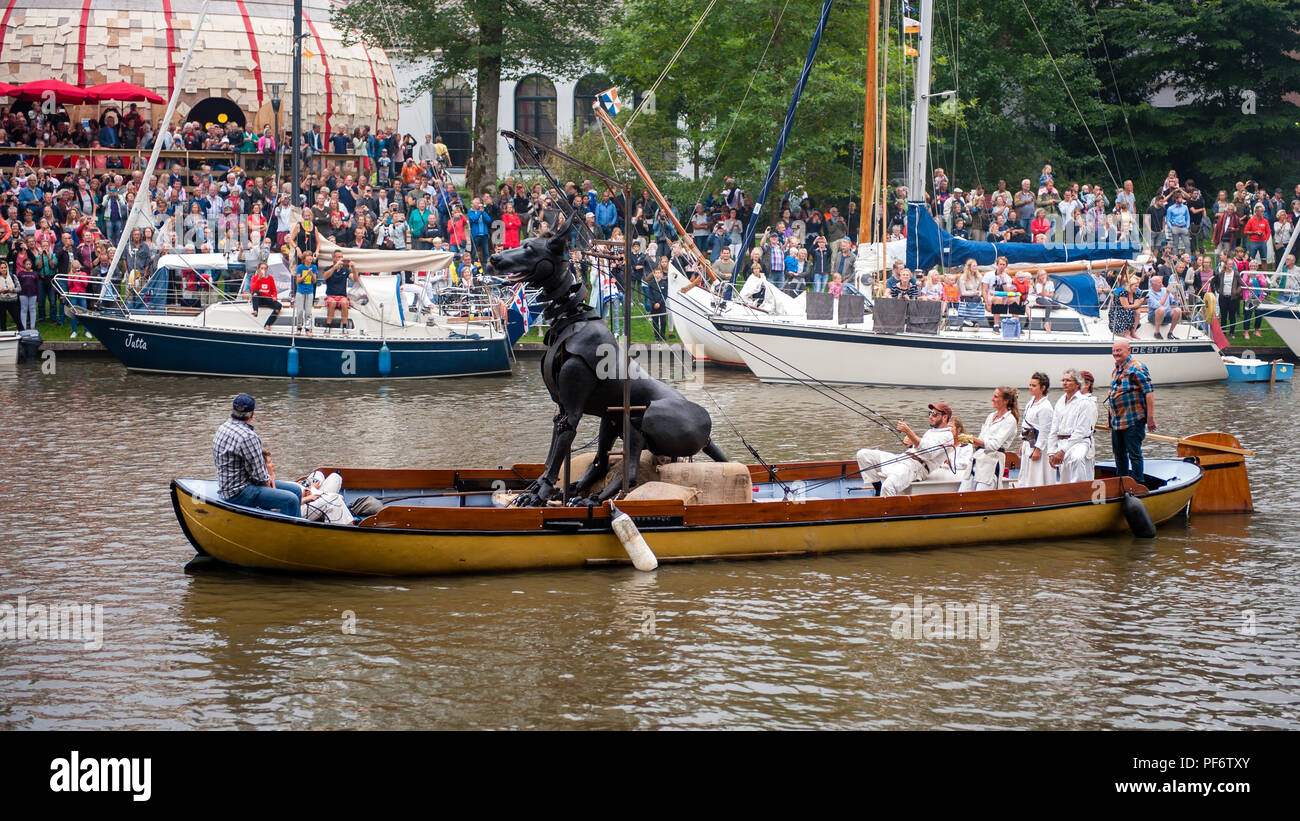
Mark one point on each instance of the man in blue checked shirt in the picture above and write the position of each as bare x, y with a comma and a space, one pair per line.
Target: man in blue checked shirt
242, 473
1132, 410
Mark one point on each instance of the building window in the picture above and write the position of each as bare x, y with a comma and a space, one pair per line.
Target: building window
453, 119
584, 94
535, 109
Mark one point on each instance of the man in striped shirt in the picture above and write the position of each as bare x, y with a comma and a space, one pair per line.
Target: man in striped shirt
242, 474
905, 288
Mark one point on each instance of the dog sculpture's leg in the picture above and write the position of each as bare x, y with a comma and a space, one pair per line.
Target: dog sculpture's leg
714, 452
632, 453
576, 381
600, 465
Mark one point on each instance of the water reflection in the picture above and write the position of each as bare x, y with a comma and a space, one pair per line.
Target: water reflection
1100, 632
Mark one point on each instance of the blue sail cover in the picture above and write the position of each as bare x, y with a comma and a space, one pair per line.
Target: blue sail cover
1080, 293
929, 246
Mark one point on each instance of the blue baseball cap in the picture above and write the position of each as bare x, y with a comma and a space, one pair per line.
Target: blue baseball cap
244, 403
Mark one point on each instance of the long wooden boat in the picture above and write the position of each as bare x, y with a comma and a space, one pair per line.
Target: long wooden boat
445, 521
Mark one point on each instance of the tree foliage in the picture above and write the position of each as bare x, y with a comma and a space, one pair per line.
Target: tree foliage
485, 40
1085, 85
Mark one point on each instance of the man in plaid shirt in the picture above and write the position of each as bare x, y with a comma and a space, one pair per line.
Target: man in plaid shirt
1132, 410
241, 467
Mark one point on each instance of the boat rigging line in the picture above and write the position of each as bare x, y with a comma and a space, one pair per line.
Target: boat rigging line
775, 164
803, 378
1070, 94
717, 152
1114, 83
650, 94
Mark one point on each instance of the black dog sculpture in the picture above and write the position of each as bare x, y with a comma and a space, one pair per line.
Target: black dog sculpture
581, 368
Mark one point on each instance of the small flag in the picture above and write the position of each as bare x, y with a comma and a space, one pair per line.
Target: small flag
609, 99
522, 306
911, 26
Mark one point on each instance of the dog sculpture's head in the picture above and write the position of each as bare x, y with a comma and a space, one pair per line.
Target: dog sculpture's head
539, 262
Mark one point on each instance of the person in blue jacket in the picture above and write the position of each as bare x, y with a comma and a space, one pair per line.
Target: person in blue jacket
480, 231
606, 215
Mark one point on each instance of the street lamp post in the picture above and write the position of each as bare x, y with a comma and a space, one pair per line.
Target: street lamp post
276, 89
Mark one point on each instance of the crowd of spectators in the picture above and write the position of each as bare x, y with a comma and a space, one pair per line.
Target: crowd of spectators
64, 217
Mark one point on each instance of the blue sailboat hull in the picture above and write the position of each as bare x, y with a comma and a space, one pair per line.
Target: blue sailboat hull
164, 348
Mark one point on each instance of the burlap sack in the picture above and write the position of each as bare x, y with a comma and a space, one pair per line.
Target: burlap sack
665, 492
647, 469
719, 483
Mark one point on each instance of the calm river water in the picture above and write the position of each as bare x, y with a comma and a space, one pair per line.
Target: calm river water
1196, 629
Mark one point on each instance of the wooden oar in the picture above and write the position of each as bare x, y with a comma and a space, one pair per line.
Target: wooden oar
1191, 443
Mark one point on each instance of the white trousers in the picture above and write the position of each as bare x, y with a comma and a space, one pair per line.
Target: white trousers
987, 474
1078, 463
894, 472
1034, 474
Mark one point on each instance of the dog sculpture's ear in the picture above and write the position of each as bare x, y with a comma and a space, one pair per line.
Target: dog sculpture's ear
560, 241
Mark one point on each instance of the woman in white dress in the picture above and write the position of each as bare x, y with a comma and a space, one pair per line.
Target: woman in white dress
998, 433
1036, 435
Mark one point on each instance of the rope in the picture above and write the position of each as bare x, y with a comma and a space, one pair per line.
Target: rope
650, 94
1070, 94
835, 395
1115, 85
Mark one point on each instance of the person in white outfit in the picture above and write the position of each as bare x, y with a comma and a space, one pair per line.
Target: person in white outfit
1071, 450
998, 433
1036, 435
896, 472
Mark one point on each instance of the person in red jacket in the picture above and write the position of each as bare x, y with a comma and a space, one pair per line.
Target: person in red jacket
512, 223
1258, 233
458, 230
262, 287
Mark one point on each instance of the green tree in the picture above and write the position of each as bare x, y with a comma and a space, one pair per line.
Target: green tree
729, 90
489, 40
1231, 69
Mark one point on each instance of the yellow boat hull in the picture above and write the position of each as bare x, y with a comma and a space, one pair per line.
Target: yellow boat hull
257, 539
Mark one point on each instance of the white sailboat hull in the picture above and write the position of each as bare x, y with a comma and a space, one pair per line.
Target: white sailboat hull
8, 348
1285, 319
787, 352
690, 309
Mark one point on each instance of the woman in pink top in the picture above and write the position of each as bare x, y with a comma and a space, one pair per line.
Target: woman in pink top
77, 285
1253, 283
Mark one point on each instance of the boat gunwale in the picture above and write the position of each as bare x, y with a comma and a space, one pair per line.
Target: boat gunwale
597, 519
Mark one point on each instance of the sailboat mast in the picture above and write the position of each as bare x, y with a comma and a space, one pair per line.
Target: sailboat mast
921, 108
867, 218
632, 157
146, 182
296, 137
775, 164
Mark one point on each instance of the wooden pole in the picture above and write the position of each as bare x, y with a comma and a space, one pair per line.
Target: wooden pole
641, 172
867, 220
